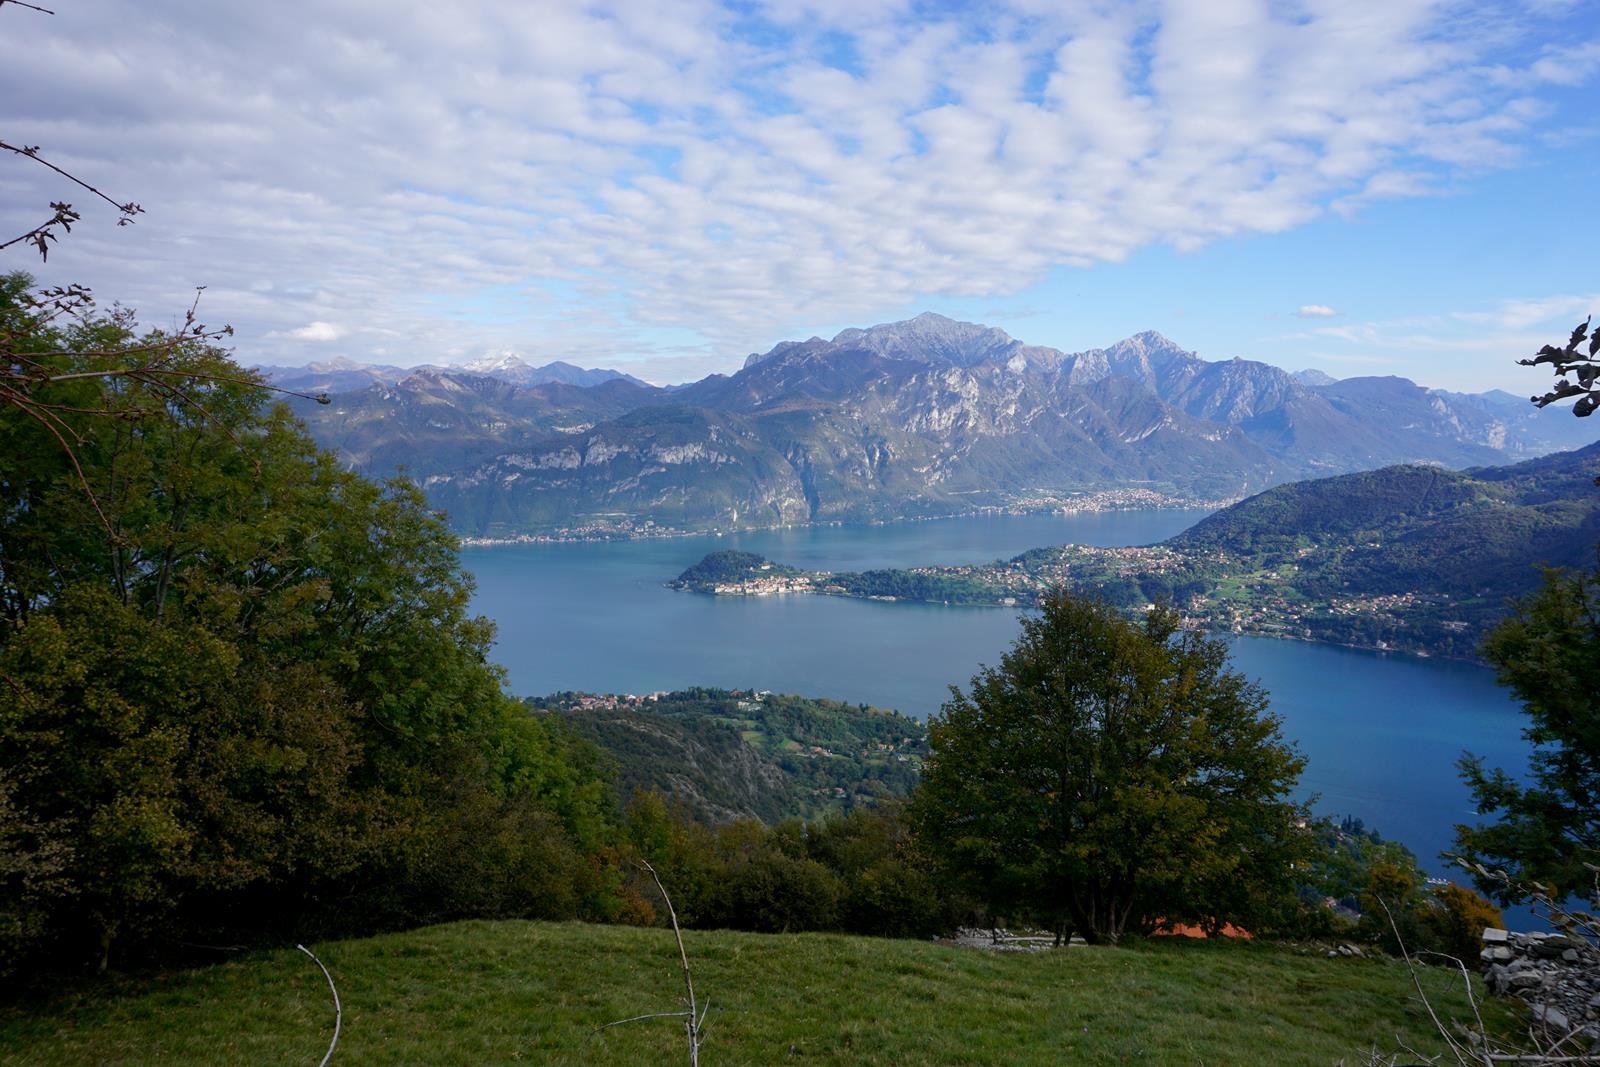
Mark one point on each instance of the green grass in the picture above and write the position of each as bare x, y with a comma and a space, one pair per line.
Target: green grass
515, 992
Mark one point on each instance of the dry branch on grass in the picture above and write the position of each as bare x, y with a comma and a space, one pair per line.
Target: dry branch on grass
338, 1011
694, 1017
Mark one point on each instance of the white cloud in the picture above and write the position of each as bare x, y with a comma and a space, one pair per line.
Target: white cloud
1566, 309
1315, 311
575, 177
1463, 350
1568, 65
318, 331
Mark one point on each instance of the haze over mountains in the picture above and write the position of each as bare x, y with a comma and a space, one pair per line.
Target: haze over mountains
923, 417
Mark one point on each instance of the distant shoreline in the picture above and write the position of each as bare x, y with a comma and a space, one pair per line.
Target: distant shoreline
1157, 502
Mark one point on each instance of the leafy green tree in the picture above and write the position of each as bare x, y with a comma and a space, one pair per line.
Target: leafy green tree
1547, 651
1104, 769
241, 689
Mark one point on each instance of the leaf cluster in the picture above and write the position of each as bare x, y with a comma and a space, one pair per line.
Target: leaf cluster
1577, 370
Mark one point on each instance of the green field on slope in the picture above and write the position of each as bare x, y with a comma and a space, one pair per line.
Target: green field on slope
521, 992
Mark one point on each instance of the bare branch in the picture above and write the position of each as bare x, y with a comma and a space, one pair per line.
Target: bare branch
1466, 980
694, 1019
125, 211
30, 7
693, 1025
338, 1012
41, 235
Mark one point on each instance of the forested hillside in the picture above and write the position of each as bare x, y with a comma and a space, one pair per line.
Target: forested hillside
727, 755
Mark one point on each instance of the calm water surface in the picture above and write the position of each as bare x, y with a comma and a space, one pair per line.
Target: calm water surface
1382, 733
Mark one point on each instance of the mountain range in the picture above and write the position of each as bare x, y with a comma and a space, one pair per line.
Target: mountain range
918, 418
341, 375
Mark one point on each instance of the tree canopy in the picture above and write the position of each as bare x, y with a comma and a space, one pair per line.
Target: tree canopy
1109, 774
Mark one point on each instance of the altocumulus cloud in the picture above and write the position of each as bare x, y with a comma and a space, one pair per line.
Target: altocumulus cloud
622, 177
1315, 311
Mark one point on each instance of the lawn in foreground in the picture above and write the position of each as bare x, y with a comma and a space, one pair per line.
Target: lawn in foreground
522, 992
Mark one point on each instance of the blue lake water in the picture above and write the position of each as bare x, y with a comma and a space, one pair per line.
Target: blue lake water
1381, 733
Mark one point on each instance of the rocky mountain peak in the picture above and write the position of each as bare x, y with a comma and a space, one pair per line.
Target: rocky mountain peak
933, 338
927, 338
506, 361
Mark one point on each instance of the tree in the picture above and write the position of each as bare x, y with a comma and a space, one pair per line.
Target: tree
241, 688
1107, 772
1547, 651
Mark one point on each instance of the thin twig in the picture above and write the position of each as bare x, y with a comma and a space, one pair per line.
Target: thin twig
1466, 978
641, 1018
127, 210
76, 466
693, 1018
338, 1012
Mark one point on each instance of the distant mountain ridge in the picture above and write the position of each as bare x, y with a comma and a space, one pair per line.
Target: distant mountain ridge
341, 375
917, 418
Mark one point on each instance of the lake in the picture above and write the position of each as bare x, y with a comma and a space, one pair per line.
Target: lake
1381, 732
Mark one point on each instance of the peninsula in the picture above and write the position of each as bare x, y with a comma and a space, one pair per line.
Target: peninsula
1408, 558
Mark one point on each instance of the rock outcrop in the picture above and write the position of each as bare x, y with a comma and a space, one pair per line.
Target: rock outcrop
1557, 975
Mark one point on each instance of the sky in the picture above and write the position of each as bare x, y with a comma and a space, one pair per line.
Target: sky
1387, 187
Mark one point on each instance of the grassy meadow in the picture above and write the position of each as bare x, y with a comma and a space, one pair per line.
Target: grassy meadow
522, 992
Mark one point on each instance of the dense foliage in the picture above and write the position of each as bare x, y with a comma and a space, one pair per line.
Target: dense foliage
1548, 828
1108, 774
240, 690
858, 873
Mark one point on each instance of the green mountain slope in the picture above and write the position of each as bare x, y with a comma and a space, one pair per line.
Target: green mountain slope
729, 754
